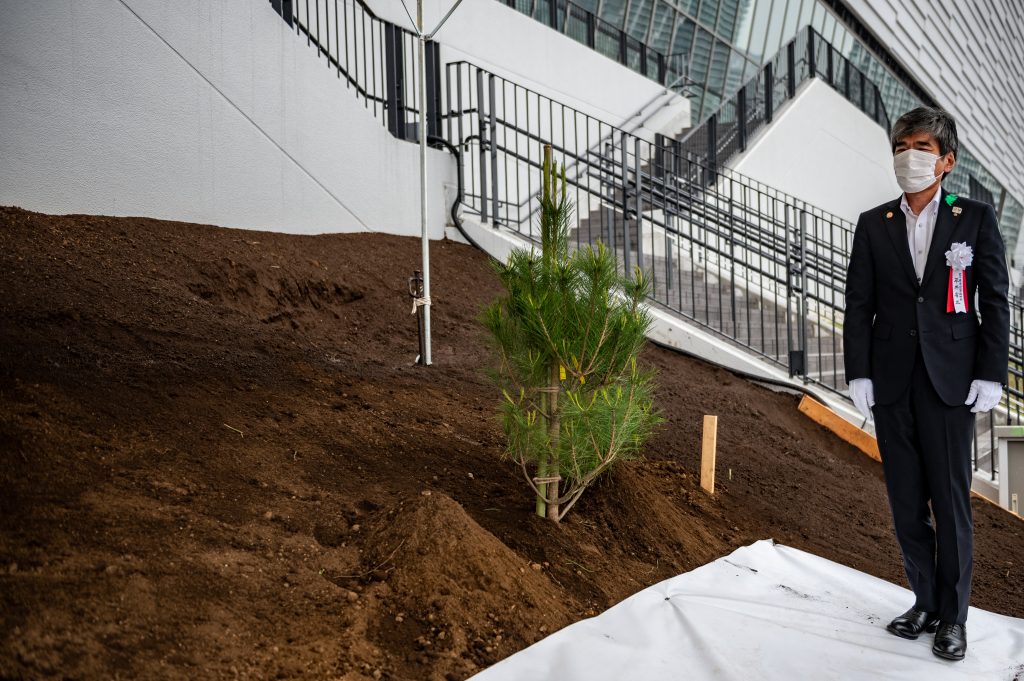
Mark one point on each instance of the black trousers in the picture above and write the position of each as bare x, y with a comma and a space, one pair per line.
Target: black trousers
926, 455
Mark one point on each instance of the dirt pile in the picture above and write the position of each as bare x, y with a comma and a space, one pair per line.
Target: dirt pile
452, 595
214, 444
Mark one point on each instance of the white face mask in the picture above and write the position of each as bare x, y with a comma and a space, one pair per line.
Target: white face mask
915, 170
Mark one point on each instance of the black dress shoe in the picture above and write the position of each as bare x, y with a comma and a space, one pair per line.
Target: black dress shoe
911, 623
951, 641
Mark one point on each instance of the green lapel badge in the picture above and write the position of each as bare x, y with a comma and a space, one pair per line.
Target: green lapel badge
950, 199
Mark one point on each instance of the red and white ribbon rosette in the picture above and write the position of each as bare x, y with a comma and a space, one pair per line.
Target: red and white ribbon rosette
958, 259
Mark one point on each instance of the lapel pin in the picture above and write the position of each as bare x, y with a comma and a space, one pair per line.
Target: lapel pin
889, 215
957, 210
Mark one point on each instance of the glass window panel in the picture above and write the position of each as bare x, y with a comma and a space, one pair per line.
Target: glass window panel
773, 37
727, 17
759, 29
695, 103
745, 17
709, 13
661, 29
717, 68
818, 22
688, 6
589, 5
806, 13
846, 45
639, 18
734, 76
792, 16
683, 43
701, 56
606, 40
613, 11
709, 105
829, 28
576, 24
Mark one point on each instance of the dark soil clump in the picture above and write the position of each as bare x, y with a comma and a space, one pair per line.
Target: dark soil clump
215, 448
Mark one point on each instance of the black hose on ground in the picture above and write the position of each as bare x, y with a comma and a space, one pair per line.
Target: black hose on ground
431, 140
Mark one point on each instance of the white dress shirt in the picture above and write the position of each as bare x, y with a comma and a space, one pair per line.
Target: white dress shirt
920, 229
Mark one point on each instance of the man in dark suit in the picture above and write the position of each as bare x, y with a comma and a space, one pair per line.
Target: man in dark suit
923, 268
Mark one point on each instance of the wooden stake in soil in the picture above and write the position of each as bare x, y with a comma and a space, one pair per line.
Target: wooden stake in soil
707, 456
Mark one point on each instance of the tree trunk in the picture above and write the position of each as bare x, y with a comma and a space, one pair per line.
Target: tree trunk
553, 432
542, 465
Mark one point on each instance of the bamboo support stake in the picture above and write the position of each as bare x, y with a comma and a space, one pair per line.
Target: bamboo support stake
707, 457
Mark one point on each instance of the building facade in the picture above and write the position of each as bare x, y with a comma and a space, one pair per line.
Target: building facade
966, 57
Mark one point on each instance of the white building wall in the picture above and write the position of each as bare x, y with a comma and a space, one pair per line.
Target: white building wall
214, 113
822, 149
970, 57
217, 112
512, 45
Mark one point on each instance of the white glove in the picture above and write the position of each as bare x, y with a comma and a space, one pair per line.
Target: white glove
862, 390
983, 394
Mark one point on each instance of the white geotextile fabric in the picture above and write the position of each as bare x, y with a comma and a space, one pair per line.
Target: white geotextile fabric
766, 611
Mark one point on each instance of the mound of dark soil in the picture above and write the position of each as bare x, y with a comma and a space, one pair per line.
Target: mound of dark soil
214, 447
457, 598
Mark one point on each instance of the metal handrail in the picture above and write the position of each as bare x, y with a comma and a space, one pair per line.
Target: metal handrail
760, 268
560, 15
808, 55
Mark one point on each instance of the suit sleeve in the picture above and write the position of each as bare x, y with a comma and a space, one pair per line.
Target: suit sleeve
991, 362
860, 305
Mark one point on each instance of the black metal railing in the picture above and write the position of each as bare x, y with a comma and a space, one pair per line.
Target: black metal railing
729, 130
585, 27
374, 57
758, 267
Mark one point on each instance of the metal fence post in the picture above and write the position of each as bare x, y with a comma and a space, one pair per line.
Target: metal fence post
658, 167
625, 204
787, 227
803, 294
638, 185
591, 29
609, 154
769, 87
482, 128
812, 58
395, 85
712, 150
432, 96
284, 8
741, 117
831, 67
494, 149
791, 69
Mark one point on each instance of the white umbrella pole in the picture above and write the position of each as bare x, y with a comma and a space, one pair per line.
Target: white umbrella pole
423, 182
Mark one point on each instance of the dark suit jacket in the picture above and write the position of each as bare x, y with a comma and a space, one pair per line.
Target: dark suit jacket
889, 314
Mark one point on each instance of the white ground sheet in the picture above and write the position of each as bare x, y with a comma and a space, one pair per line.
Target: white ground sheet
766, 611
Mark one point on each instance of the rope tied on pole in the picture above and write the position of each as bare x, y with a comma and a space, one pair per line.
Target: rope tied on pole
419, 302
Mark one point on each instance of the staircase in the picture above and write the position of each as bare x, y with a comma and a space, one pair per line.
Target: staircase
760, 269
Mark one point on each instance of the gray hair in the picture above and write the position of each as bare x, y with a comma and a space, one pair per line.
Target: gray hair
933, 120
